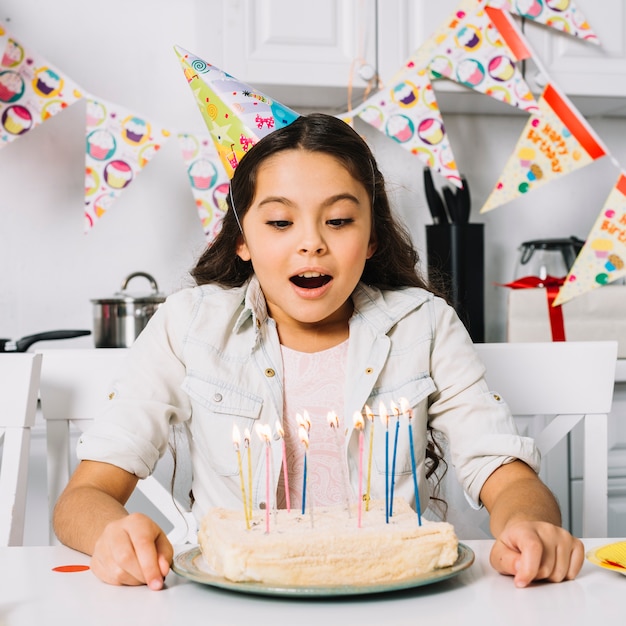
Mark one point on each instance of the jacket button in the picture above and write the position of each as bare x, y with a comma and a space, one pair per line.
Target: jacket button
269, 372
217, 397
369, 370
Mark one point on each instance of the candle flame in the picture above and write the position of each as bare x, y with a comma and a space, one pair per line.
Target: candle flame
369, 413
406, 408
359, 421
304, 436
333, 420
394, 408
384, 416
246, 438
279, 430
236, 436
264, 432
307, 420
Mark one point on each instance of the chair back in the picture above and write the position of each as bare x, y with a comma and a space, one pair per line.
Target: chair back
74, 389
556, 385
19, 384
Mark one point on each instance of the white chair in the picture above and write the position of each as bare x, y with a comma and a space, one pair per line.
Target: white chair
74, 386
19, 384
560, 384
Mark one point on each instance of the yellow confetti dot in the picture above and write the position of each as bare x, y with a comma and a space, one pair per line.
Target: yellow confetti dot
576, 155
212, 111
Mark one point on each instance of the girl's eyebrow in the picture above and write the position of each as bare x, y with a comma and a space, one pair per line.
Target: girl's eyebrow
326, 203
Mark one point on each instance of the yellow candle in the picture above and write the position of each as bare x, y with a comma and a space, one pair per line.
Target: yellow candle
370, 417
236, 443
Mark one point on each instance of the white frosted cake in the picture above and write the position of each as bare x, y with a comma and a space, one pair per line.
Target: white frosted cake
332, 551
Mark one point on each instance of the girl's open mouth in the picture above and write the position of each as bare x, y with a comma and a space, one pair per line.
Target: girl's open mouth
310, 280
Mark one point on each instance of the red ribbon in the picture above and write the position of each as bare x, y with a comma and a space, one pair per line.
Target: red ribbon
552, 286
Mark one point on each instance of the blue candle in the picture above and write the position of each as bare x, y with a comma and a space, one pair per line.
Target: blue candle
385, 420
393, 462
304, 438
406, 409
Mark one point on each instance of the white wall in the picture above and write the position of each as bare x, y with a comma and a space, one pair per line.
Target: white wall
121, 51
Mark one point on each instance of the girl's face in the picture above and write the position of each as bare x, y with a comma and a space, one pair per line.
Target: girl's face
308, 233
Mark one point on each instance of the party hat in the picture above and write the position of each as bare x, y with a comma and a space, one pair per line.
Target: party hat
236, 114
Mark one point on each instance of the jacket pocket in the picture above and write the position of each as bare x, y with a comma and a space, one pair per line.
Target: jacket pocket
218, 406
416, 392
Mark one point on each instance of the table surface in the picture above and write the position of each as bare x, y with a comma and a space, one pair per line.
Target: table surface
32, 593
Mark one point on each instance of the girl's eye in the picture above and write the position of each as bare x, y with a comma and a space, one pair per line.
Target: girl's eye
279, 224
340, 222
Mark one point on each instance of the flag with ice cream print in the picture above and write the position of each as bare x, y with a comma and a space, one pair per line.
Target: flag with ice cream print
207, 178
119, 144
31, 89
481, 55
236, 114
602, 259
562, 15
554, 143
407, 112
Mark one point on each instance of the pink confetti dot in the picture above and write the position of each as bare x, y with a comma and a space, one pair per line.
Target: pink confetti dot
499, 186
535, 122
610, 213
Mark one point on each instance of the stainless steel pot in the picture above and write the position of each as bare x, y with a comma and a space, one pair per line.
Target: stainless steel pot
118, 320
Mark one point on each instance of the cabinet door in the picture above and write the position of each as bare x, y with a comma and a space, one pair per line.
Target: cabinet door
580, 68
323, 46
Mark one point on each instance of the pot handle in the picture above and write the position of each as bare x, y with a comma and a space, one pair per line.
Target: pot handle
153, 282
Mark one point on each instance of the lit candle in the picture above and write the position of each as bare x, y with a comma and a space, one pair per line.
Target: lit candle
281, 434
237, 443
407, 409
304, 438
265, 434
333, 422
396, 411
359, 424
384, 418
370, 417
246, 443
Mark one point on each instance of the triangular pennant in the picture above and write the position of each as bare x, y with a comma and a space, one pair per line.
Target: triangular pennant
556, 142
4, 36
476, 54
207, 178
236, 114
407, 111
31, 90
563, 15
602, 259
119, 144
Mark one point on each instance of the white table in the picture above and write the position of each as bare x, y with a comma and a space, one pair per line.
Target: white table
31, 593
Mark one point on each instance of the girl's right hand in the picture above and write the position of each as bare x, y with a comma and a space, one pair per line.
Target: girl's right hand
132, 550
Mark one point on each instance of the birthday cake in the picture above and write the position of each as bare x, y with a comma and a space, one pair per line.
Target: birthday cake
326, 547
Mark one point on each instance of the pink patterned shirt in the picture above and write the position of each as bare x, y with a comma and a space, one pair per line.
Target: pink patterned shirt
314, 382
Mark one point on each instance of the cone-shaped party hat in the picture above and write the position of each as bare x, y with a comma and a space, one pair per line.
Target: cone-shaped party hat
236, 114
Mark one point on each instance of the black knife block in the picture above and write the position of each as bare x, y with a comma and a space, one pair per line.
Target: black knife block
456, 263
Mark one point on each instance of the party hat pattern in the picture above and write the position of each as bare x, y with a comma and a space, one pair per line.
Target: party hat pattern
554, 143
236, 114
602, 259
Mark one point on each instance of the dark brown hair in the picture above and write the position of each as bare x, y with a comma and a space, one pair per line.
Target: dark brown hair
394, 264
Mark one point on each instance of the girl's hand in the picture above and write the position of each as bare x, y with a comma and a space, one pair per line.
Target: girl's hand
132, 551
537, 551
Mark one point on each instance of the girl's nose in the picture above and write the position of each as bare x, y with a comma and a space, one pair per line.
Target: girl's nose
312, 241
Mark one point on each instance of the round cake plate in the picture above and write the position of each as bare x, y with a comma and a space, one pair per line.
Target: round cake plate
191, 565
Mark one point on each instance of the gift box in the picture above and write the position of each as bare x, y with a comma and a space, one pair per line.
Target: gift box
598, 315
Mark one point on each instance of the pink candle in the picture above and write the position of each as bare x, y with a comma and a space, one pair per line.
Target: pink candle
281, 434
265, 434
359, 424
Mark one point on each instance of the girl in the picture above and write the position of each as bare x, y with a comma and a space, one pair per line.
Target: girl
308, 299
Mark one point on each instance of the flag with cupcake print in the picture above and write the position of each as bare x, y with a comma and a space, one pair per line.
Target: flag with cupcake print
207, 178
31, 89
555, 142
563, 15
119, 144
602, 259
407, 112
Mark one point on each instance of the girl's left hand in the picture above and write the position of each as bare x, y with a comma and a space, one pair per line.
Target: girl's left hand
537, 551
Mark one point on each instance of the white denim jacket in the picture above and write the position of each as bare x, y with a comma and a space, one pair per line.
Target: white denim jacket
210, 358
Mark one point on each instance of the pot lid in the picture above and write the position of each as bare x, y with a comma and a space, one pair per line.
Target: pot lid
123, 295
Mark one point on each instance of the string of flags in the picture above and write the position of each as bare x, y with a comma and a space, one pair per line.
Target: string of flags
479, 46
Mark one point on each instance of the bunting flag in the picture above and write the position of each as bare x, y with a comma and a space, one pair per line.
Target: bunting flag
552, 144
208, 179
407, 111
31, 90
236, 114
602, 259
119, 144
480, 50
563, 15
